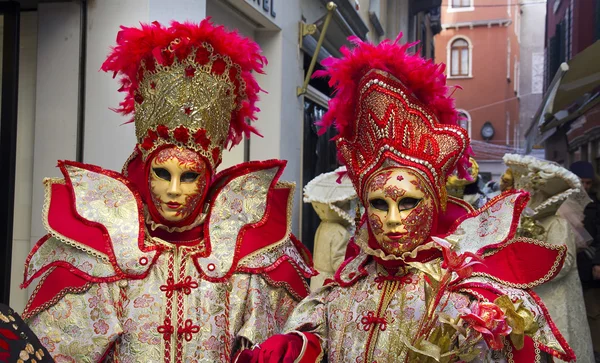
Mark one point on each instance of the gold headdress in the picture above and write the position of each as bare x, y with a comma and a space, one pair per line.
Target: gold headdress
188, 85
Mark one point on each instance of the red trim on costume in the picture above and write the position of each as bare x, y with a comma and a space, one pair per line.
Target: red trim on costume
287, 274
271, 228
512, 263
305, 253
122, 179
570, 354
64, 220
56, 284
357, 276
526, 354
455, 208
312, 351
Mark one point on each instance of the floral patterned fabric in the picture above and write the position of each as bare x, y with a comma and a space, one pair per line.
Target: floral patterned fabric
340, 317
154, 319
458, 299
563, 295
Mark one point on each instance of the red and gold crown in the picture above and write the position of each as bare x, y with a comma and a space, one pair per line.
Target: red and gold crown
392, 108
188, 85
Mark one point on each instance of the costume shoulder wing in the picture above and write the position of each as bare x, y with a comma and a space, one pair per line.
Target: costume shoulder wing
95, 234
249, 228
491, 233
510, 267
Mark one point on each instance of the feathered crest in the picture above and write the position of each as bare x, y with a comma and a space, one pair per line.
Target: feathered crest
425, 79
154, 44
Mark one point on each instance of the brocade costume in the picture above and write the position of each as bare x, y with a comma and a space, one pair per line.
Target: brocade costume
368, 315
553, 189
121, 282
434, 281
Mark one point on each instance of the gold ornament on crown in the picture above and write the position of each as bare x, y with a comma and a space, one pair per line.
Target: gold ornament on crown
187, 96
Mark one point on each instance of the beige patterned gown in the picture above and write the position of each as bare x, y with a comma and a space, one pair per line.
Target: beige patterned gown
163, 302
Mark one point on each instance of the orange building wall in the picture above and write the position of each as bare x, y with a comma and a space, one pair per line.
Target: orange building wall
487, 95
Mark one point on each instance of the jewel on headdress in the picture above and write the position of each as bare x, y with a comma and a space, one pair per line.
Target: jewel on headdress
188, 85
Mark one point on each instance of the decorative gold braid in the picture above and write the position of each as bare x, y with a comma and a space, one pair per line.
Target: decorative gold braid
48, 304
66, 240
290, 204
508, 350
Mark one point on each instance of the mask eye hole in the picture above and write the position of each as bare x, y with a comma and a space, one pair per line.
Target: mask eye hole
379, 204
189, 177
162, 173
408, 203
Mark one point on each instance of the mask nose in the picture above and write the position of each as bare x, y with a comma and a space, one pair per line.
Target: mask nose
393, 218
174, 188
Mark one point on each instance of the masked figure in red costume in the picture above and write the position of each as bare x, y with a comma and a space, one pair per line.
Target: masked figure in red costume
169, 261
420, 289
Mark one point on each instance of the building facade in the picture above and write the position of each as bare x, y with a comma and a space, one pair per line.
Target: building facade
479, 43
531, 68
567, 122
64, 101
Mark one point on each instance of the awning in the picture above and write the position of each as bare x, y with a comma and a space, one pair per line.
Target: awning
573, 91
582, 77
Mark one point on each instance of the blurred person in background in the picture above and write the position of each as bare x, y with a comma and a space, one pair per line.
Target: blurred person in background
552, 215
465, 189
335, 204
588, 259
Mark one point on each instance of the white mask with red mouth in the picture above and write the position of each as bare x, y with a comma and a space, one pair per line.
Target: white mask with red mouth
178, 181
400, 210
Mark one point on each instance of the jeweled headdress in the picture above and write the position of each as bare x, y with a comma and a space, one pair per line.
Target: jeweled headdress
395, 107
189, 85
